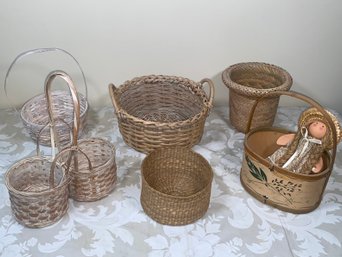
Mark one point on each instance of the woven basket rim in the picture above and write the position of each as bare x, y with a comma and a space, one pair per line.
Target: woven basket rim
9, 186
112, 147
28, 121
279, 169
244, 90
125, 87
173, 196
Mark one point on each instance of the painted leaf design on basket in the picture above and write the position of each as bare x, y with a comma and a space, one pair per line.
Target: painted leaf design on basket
257, 173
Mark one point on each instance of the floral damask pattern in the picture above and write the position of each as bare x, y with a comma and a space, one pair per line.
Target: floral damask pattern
235, 225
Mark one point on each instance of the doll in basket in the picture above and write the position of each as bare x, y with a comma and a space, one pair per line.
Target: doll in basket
302, 152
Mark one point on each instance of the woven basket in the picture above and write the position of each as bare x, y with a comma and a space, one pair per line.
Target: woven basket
161, 111
34, 112
176, 185
246, 83
93, 171
275, 186
38, 189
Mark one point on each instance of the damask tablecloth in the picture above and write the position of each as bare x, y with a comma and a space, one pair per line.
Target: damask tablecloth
235, 224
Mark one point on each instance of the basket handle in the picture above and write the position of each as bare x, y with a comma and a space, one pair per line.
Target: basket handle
37, 51
71, 149
53, 151
211, 90
52, 75
307, 100
112, 92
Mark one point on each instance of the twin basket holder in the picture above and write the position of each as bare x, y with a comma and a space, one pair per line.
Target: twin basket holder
164, 116
39, 187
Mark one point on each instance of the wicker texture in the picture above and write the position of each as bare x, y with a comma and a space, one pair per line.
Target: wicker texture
35, 200
176, 186
34, 115
283, 189
34, 112
247, 82
161, 111
91, 183
91, 162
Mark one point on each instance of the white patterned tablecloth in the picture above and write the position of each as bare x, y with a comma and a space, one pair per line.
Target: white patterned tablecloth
235, 225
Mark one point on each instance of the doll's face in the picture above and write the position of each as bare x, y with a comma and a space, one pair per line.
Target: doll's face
317, 129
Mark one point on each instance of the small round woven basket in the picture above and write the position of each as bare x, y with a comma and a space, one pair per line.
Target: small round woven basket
34, 112
93, 176
249, 81
38, 193
161, 111
176, 186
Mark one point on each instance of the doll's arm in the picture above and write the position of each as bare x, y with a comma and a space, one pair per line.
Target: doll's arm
318, 166
285, 139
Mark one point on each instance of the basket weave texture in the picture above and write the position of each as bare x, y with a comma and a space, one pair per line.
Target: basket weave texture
161, 111
34, 113
176, 186
97, 181
247, 82
91, 162
35, 116
276, 186
37, 201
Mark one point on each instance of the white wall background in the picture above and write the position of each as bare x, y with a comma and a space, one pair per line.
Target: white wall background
117, 40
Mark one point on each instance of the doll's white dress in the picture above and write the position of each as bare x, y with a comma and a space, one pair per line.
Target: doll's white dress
296, 162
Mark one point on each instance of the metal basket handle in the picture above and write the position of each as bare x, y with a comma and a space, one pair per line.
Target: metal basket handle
307, 100
37, 51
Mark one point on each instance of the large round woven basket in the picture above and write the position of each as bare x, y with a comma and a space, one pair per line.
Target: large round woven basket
247, 82
161, 111
276, 186
34, 112
176, 186
38, 192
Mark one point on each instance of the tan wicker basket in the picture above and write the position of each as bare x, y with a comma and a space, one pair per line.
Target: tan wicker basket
161, 111
247, 82
275, 186
176, 186
34, 112
93, 171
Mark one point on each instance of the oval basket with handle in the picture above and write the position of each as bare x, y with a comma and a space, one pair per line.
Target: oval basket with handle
33, 112
161, 111
275, 186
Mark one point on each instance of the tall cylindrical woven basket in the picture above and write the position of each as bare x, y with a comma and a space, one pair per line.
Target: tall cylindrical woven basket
276, 186
247, 82
176, 185
161, 111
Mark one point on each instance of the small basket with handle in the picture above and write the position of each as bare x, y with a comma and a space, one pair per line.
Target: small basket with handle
161, 111
93, 172
34, 114
276, 186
